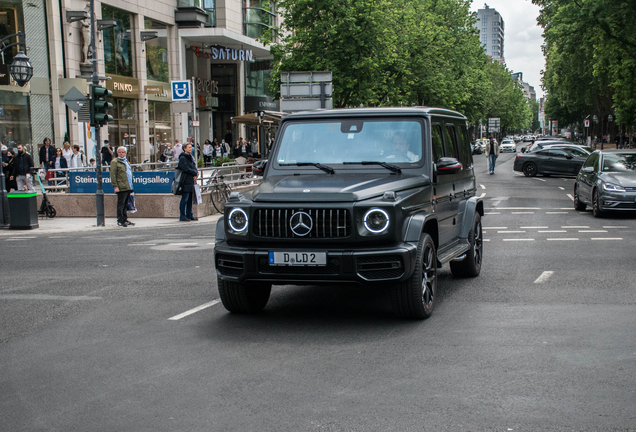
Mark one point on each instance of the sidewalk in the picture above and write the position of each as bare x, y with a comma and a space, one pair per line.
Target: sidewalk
84, 224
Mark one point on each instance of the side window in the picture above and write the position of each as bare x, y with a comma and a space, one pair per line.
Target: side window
465, 153
558, 153
436, 138
591, 160
450, 142
543, 152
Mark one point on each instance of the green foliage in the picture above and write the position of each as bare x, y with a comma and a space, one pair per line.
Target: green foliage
393, 53
590, 58
220, 161
200, 163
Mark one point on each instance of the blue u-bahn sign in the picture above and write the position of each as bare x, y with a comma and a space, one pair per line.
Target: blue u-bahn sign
144, 182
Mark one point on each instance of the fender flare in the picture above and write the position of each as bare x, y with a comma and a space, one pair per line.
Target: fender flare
415, 227
219, 234
473, 204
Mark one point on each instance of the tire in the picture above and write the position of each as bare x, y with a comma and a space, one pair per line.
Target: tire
471, 265
578, 205
596, 207
219, 196
415, 297
50, 212
243, 298
530, 169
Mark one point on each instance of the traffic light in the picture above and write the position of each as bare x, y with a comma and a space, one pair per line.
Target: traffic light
99, 106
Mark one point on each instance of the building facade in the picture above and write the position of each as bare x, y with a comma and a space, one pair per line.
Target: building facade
491, 32
140, 47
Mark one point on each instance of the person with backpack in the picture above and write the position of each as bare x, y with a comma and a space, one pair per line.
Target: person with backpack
77, 158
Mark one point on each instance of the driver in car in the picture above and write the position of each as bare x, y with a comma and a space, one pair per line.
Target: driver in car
400, 151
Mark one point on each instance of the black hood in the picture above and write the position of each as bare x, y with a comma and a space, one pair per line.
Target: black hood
333, 188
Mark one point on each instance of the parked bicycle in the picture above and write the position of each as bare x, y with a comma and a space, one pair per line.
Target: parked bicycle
220, 192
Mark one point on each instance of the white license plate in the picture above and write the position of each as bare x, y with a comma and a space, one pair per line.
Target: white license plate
298, 258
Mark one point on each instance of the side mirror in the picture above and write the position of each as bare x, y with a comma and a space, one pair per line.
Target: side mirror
448, 165
588, 170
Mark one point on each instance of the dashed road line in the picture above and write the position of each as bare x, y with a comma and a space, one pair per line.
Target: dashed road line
561, 188
554, 231
562, 239
534, 227
544, 277
482, 186
575, 227
539, 179
195, 310
510, 232
607, 238
482, 195
592, 231
571, 197
614, 226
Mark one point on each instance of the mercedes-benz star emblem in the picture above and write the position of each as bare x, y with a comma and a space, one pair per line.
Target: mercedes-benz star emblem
301, 223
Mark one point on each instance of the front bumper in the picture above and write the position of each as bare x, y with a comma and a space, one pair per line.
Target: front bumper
610, 201
360, 266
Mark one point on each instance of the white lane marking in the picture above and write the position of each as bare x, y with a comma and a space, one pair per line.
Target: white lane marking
494, 228
614, 226
562, 239
592, 231
534, 227
195, 310
575, 227
182, 244
482, 186
553, 231
518, 208
482, 195
510, 232
522, 212
486, 239
561, 188
556, 212
544, 277
607, 238
539, 179
571, 197
518, 239
45, 297
142, 244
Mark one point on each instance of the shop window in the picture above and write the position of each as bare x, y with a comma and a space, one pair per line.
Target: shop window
157, 52
258, 16
257, 78
118, 51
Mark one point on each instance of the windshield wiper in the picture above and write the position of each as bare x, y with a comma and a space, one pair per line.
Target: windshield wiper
393, 168
325, 168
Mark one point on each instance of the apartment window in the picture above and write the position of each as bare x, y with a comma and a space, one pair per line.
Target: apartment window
258, 16
157, 52
209, 6
118, 50
484, 20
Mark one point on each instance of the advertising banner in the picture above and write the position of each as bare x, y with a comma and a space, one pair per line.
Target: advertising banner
145, 182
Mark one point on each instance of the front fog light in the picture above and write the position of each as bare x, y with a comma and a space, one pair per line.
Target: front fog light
376, 220
238, 220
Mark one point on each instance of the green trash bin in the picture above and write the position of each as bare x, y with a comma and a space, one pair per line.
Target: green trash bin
23, 210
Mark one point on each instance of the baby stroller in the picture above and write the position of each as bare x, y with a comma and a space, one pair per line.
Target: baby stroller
46, 208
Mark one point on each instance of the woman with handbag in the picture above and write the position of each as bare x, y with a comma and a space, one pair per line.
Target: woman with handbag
59, 163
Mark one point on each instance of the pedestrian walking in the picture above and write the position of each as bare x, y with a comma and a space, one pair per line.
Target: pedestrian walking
59, 163
22, 170
492, 153
107, 153
168, 153
77, 159
47, 154
188, 167
178, 148
67, 152
8, 169
121, 178
208, 151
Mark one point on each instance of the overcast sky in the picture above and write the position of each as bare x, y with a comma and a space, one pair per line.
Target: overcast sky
522, 38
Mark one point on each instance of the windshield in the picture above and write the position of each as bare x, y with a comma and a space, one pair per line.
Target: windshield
617, 162
395, 141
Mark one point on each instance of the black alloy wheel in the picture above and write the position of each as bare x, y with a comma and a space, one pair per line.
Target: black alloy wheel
471, 265
415, 297
578, 204
596, 205
530, 169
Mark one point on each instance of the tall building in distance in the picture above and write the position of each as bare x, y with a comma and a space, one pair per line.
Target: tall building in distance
491, 32
528, 90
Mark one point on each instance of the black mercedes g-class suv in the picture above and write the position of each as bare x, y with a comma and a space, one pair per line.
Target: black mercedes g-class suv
368, 196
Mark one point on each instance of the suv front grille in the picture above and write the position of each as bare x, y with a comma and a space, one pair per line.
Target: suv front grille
326, 223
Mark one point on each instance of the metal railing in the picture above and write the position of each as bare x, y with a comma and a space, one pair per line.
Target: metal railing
232, 174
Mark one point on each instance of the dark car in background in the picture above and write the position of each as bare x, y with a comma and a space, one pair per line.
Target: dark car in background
259, 167
549, 162
607, 181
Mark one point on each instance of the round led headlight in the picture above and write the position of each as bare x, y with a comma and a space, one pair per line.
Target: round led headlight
238, 220
376, 220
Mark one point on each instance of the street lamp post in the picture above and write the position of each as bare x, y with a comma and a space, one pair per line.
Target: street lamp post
21, 71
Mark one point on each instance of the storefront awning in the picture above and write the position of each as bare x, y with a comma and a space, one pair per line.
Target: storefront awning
271, 118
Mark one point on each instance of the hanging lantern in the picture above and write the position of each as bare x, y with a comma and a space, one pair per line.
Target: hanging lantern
21, 69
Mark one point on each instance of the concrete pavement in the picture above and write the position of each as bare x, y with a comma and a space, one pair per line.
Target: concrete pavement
72, 224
